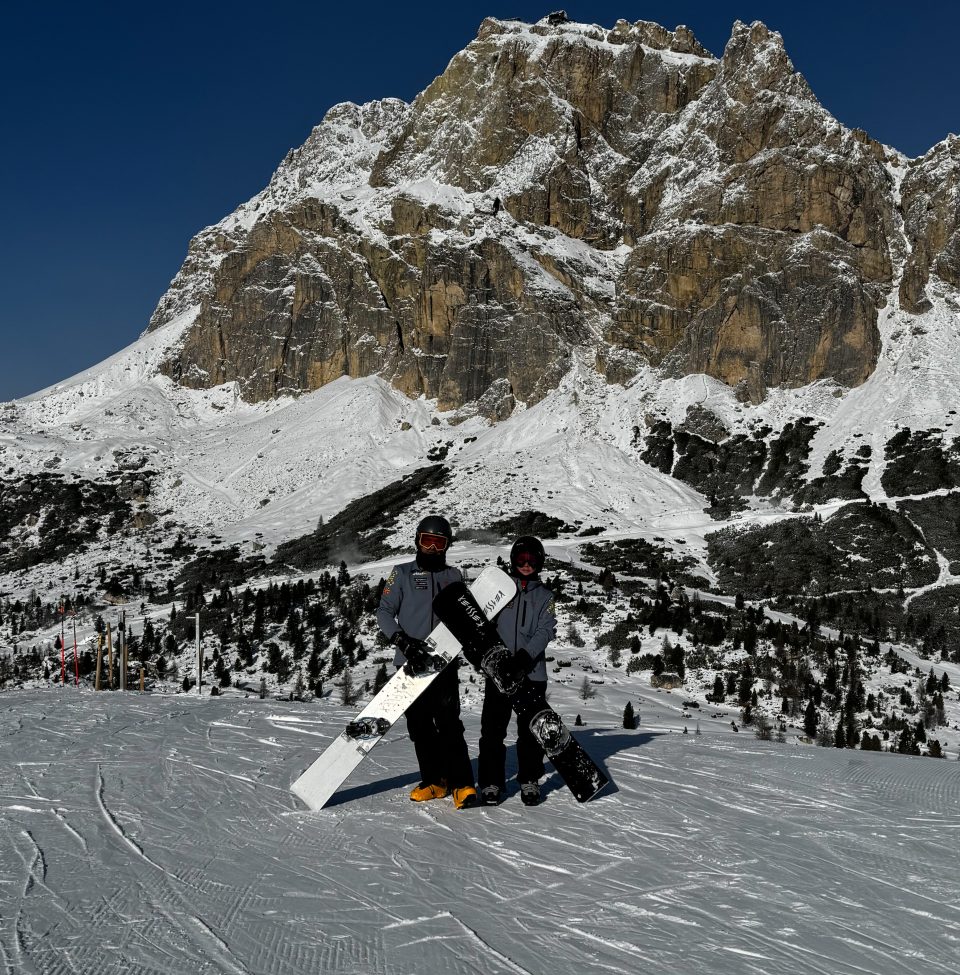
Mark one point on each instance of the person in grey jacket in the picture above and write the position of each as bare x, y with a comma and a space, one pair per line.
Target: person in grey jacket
406, 618
526, 626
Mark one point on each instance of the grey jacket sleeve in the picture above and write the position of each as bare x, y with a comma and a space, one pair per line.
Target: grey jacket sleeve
389, 607
546, 628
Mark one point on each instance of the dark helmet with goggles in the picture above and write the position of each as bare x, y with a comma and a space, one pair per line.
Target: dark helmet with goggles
527, 550
434, 535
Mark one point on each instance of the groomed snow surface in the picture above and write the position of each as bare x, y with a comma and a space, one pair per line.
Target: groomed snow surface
157, 834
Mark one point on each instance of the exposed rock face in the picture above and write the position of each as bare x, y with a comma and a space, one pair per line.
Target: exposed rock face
563, 185
931, 209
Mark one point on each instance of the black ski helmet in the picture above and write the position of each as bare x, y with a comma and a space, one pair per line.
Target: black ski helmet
434, 525
528, 545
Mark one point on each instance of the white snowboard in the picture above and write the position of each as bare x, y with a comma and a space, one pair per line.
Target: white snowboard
493, 589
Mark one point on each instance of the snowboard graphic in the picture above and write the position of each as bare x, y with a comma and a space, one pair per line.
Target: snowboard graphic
469, 623
492, 590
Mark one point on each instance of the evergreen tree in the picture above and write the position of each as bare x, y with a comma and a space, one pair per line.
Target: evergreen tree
347, 693
314, 665
745, 690
906, 743
257, 630
762, 727
825, 735
810, 720
629, 718
839, 736
919, 732
851, 727
277, 662
718, 694
870, 743
294, 635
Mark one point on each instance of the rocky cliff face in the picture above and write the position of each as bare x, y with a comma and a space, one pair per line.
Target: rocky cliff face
563, 186
931, 213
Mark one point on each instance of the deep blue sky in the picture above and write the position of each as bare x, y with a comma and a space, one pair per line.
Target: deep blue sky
127, 128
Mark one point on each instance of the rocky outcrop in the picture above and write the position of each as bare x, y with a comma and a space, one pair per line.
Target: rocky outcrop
564, 185
931, 211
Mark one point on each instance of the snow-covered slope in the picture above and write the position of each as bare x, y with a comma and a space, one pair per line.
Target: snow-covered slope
158, 834
269, 471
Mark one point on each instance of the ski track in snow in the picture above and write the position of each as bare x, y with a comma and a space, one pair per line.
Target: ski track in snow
711, 853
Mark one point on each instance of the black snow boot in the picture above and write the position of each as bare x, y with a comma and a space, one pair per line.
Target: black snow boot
491, 795
530, 793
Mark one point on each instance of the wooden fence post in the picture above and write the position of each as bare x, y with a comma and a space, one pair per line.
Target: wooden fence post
141, 680
96, 685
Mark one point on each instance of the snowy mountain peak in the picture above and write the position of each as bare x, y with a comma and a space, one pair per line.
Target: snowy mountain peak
563, 186
673, 287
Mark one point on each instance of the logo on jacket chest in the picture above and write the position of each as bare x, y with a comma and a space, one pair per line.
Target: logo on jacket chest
421, 580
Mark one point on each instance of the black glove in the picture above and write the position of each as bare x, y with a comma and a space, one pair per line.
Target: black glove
419, 658
518, 666
524, 659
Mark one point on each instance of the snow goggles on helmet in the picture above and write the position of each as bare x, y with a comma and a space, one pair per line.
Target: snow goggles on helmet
431, 542
525, 558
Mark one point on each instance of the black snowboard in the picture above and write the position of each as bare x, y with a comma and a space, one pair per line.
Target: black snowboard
461, 614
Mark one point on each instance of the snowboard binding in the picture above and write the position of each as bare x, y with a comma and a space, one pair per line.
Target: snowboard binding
428, 663
549, 730
500, 665
367, 728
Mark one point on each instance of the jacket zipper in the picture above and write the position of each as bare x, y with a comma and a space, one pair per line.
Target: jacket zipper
516, 620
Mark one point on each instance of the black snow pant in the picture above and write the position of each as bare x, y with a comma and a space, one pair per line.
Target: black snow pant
434, 726
494, 721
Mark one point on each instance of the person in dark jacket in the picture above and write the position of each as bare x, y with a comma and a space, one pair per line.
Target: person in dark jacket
526, 626
406, 618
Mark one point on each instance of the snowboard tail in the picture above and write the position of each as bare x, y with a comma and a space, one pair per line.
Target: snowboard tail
467, 622
493, 589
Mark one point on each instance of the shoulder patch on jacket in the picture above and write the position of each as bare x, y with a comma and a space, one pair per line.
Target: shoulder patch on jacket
391, 579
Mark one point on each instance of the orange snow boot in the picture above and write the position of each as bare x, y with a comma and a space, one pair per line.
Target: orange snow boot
465, 797
426, 791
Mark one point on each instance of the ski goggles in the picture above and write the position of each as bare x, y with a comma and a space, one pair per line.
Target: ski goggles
429, 542
525, 558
